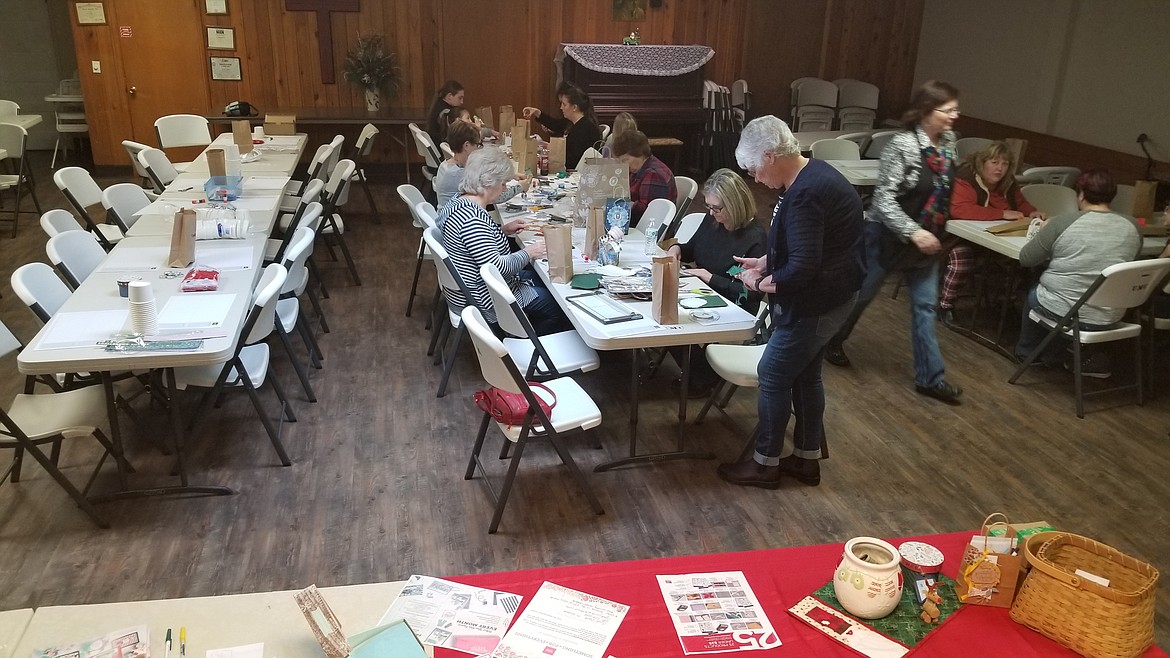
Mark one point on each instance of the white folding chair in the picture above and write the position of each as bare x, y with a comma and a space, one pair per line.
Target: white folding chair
877, 144
289, 317
1051, 199
133, 148
41, 290
1066, 176
451, 283
57, 221
158, 167
811, 118
122, 201
686, 189
411, 196
660, 211
542, 357
336, 194
70, 118
445, 149
178, 130
427, 151
248, 365
688, 226
737, 367
83, 193
741, 102
1124, 199
1121, 286
361, 150
316, 172
13, 140
49, 418
967, 147
274, 247
859, 138
793, 88
572, 411
9, 108
835, 149
75, 255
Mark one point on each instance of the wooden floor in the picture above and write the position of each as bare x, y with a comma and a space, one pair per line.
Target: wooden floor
376, 489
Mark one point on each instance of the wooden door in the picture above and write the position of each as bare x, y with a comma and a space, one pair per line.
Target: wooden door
165, 66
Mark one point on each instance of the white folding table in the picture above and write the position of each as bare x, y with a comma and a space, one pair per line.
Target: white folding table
857, 172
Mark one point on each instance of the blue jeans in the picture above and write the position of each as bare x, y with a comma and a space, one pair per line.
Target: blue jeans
544, 313
790, 381
923, 285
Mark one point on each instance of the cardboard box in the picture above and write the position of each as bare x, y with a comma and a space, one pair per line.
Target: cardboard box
280, 124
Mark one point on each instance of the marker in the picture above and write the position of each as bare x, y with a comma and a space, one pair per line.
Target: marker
168, 643
182, 642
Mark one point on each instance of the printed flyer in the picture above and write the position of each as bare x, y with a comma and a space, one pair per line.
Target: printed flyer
460, 617
716, 613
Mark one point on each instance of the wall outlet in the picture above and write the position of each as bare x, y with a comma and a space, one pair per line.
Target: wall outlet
96, 66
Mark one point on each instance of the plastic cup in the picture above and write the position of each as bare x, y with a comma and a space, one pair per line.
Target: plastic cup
141, 291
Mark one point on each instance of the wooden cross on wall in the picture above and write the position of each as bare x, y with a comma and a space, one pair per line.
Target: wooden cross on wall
324, 8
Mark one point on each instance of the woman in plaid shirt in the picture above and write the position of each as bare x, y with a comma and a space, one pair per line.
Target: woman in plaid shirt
650, 178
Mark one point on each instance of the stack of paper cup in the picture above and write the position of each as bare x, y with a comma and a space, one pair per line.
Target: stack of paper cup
143, 315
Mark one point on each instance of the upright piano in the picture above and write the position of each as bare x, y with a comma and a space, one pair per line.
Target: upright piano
662, 86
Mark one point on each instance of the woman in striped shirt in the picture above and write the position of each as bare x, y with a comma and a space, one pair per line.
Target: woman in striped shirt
472, 238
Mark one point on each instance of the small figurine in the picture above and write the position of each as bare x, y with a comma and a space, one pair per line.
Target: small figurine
634, 39
930, 612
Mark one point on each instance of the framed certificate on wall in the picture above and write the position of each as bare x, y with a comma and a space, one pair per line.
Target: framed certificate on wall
91, 13
226, 68
216, 7
221, 38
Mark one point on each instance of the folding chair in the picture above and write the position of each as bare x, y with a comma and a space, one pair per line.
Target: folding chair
572, 411
13, 140
332, 226
122, 201
83, 193
1122, 286
411, 196
288, 308
449, 281
543, 357
57, 221
35, 420
75, 255
361, 150
158, 167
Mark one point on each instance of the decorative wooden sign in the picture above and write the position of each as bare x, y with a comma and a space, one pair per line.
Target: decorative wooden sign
323, 9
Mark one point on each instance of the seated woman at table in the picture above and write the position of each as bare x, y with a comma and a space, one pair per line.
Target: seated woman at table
473, 239
579, 125
728, 230
465, 115
650, 178
984, 190
622, 122
464, 139
448, 98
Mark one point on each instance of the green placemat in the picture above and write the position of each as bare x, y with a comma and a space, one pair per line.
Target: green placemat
903, 623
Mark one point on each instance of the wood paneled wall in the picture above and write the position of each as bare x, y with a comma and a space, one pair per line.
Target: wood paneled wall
502, 51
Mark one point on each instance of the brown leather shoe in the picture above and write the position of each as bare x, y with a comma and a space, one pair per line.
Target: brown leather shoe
750, 474
804, 471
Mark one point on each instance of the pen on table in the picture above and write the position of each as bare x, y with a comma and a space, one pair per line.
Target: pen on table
168, 643
182, 642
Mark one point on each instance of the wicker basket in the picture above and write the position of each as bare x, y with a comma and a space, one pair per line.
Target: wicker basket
1095, 621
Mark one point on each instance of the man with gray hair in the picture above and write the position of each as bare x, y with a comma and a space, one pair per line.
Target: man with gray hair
811, 273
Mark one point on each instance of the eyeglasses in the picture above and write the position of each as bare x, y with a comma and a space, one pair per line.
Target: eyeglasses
949, 111
716, 209
478, 145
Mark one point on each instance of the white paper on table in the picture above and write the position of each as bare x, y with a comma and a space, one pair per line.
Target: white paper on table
216, 254
82, 328
846, 630
265, 182
716, 613
195, 311
561, 619
135, 259
257, 203
244, 651
452, 615
168, 205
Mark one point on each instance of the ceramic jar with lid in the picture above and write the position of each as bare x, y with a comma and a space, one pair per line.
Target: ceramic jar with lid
868, 582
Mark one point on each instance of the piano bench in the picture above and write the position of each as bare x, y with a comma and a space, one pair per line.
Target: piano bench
672, 143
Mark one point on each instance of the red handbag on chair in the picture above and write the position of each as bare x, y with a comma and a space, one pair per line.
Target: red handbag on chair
512, 408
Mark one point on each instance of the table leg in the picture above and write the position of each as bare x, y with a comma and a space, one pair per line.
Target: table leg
679, 452
115, 428
184, 488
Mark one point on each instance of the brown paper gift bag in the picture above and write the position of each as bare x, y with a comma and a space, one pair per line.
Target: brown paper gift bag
507, 119
594, 230
558, 241
986, 577
242, 135
556, 156
664, 307
1143, 197
523, 149
602, 179
216, 162
182, 239
484, 114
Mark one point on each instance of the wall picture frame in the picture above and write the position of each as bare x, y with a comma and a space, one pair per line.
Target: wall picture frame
90, 13
221, 38
215, 7
226, 69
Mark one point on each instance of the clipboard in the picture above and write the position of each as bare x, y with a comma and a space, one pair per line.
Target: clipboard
603, 308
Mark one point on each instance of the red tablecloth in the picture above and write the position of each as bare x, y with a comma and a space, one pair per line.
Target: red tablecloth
780, 578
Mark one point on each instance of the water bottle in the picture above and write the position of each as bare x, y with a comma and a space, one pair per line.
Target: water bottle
652, 238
